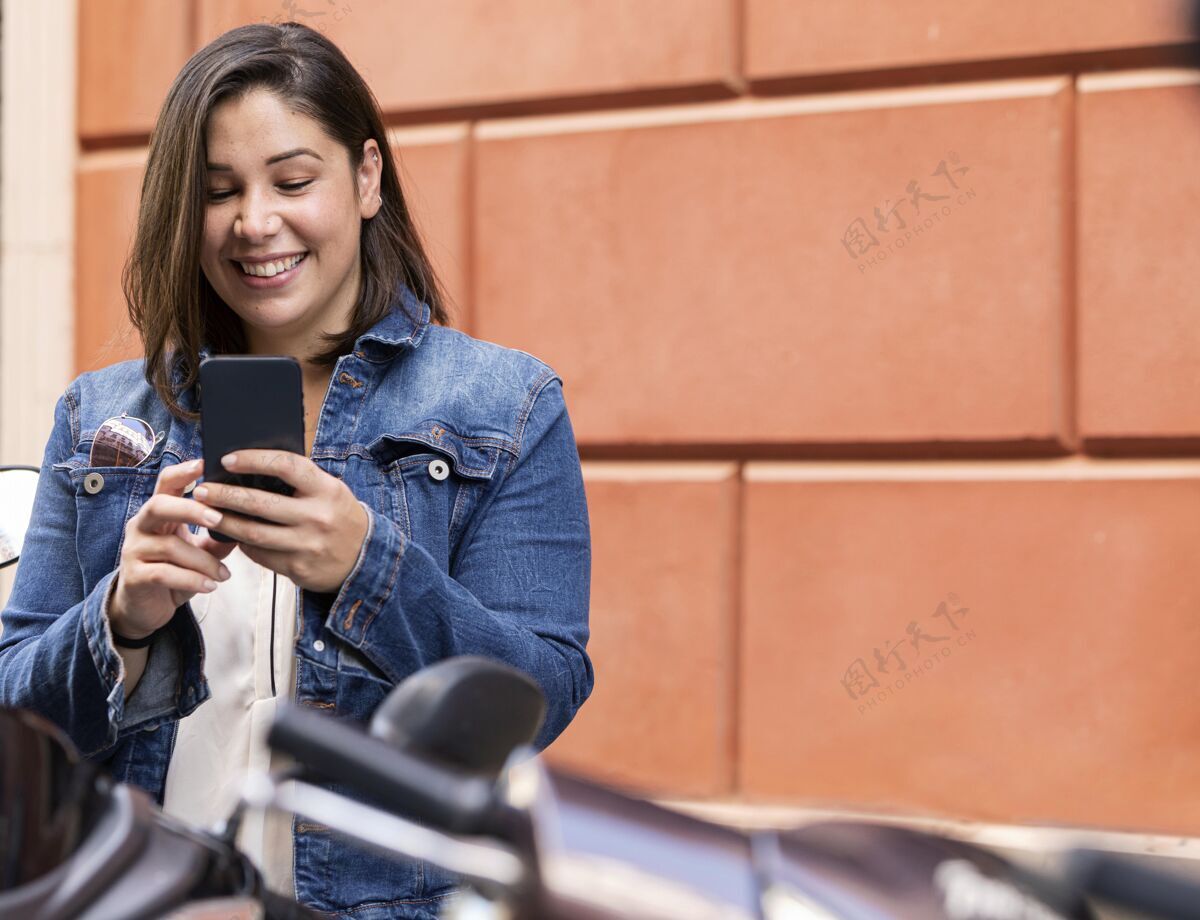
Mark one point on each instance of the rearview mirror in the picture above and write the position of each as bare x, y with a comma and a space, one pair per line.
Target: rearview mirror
17, 487
467, 712
48, 797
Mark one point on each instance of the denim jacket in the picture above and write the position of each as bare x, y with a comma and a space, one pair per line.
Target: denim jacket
493, 559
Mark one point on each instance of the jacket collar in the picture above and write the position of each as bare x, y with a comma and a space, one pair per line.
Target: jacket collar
403, 326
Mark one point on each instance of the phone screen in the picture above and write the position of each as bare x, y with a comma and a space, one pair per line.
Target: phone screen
249, 401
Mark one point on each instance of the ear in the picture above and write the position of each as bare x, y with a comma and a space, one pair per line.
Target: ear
370, 176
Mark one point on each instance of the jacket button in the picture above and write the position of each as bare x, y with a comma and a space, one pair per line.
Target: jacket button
319, 646
93, 483
439, 469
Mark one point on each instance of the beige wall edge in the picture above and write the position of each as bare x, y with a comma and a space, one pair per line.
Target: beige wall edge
37, 222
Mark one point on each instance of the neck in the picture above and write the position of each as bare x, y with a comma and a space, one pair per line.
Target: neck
301, 348
315, 383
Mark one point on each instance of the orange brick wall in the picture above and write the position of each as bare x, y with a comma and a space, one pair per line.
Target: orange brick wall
949, 448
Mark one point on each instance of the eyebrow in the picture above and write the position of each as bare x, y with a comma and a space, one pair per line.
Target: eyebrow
286, 155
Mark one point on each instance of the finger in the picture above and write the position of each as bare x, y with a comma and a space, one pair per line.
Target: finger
166, 575
297, 471
172, 480
282, 509
167, 511
256, 533
183, 554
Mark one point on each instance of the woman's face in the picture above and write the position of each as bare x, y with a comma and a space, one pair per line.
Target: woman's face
308, 204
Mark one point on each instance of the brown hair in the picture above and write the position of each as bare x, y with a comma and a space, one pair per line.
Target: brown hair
177, 310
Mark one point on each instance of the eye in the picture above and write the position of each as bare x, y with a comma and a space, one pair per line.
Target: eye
287, 187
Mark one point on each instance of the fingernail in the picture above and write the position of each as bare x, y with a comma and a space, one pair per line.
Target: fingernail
224, 573
210, 585
212, 518
200, 492
229, 461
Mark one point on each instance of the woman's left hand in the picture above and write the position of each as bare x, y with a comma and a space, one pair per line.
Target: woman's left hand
313, 536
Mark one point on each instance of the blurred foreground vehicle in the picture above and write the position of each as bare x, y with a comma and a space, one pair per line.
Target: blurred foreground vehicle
445, 774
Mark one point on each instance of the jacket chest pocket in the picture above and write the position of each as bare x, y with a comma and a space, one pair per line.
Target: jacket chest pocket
106, 497
433, 479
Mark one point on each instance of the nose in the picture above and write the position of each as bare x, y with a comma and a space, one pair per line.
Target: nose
257, 220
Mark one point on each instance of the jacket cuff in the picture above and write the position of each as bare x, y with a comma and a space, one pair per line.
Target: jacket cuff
162, 693
368, 586
109, 665
172, 684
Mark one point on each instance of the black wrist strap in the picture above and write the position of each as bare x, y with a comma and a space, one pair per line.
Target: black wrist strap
126, 642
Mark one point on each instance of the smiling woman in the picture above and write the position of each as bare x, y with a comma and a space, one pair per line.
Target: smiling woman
438, 510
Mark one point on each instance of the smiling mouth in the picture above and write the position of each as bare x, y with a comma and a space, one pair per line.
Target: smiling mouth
270, 269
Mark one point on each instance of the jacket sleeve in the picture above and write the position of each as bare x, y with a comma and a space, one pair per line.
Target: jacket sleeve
520, 582
56, 653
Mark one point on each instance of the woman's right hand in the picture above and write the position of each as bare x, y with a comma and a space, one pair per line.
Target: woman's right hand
163, 564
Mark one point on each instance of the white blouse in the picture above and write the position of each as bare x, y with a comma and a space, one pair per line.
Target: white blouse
226, 734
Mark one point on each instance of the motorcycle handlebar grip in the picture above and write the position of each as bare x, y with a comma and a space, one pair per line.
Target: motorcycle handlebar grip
394, 778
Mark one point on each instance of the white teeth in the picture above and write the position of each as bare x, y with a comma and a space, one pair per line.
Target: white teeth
270, 269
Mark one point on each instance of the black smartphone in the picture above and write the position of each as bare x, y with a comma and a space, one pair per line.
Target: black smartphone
249, 401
